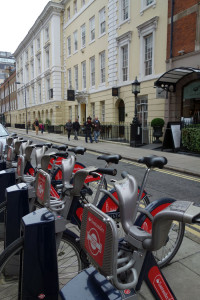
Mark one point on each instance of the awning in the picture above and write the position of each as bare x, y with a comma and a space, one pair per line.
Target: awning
169, 79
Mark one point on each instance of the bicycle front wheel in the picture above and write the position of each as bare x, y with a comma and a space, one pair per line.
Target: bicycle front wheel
69, 265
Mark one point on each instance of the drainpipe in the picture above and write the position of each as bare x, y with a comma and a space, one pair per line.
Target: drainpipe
172, 29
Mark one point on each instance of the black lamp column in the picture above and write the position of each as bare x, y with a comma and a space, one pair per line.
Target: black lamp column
135, 123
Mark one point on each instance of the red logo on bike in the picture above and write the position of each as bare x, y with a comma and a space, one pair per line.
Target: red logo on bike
9, 154
41, 186
127, 292
159, 284
19, 164
41, 296
95, 238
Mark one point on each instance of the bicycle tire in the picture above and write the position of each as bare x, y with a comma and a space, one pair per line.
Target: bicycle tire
66, 262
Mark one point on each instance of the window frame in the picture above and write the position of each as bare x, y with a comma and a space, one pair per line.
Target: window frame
83, 74
121, 9
102, 20
145, 6
76, 77
83, 37
92, 72
69, 46
102, 55
75, 34
92, 29
69, 78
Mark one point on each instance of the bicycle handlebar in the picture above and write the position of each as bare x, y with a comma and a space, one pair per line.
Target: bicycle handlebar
105, 171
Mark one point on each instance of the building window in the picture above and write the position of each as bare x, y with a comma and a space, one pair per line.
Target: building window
83, 36
92, 29
38, 64
68, 14
48, 89
32, 70
92, 71
33, 94
69, 45
148, 55
76, 41
82, 2
124, 9
46, 33
47, 59
102, 21
75, 6
102, 67
83, 75
39, 93
69, 72
38, 43
27, 73
146, 32
124, 53
27, 55
76, 77
93, 110
145, 4
32, 53
102, 111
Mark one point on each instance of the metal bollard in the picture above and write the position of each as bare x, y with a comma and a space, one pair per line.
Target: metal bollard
40, 273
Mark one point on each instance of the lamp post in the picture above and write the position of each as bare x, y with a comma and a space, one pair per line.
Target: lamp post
17, 82
135, 136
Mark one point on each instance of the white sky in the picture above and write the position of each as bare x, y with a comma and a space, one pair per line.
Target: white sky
16, 18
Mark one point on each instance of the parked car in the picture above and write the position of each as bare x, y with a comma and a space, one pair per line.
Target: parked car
3, 135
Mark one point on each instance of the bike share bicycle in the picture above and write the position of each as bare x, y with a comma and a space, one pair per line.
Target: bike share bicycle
125, 265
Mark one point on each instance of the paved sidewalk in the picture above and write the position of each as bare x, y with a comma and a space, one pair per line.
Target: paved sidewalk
183, 274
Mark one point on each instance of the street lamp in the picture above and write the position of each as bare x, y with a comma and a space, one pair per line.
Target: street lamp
17, 82
135, 136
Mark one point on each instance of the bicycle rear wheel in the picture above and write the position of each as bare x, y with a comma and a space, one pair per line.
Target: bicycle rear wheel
69, 265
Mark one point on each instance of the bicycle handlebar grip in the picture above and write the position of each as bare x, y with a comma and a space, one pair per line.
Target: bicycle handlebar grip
106, 171
124, 174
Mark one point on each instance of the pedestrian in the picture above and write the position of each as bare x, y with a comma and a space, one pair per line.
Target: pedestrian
97, 126
76, 127
36, 124
88, 130
41, 127
68, 127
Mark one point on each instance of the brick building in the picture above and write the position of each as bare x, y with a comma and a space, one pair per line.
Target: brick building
182, 79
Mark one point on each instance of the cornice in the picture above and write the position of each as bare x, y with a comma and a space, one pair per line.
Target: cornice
50, 9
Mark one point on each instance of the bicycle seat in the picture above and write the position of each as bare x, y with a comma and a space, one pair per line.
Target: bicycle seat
78, 150
110, 158
60, 148
153, 161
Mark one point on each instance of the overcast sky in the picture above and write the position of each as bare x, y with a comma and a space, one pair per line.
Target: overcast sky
16, 18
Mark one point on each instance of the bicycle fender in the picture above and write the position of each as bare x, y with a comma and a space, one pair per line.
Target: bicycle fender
154, 208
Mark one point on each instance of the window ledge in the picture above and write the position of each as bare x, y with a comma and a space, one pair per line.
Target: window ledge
91, 42
153, 5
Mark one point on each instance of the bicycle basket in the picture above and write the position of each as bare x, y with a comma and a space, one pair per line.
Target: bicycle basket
99, 239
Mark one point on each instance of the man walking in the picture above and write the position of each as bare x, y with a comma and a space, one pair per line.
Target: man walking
96, 124
88, 130
68, 127
76, 127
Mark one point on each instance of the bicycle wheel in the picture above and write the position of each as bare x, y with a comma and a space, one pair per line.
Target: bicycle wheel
164, 255
69, 264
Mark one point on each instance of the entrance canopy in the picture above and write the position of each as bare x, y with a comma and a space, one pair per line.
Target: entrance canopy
169, 79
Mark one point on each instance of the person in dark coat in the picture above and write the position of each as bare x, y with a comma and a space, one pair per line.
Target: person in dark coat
69, 127
88, 130
76, 127
96, 124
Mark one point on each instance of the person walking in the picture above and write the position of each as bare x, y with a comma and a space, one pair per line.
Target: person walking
41, 127
36, 124
88, 130
69, 127
97, 125
76, 127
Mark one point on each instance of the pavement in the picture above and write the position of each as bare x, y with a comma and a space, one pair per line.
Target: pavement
183, 273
